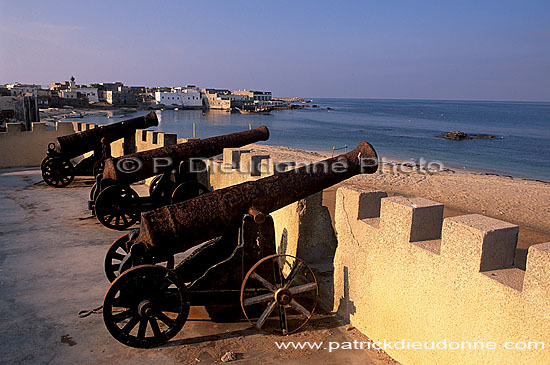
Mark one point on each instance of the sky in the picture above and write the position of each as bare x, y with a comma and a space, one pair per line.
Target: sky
451, 50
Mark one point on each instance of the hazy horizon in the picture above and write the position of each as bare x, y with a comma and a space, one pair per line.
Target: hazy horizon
489, 51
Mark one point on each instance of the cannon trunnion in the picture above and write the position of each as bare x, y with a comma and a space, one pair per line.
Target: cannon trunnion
227, 240
177, 169
58, 170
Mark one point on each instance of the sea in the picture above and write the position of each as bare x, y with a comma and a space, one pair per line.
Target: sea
402, 129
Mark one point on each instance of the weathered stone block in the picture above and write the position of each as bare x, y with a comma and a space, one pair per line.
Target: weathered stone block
361, 203
411, 219
536, 285
232, 157
480, 243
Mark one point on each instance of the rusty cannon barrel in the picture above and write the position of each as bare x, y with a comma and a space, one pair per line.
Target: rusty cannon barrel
83, 142
142, 165
176, 228
57, 168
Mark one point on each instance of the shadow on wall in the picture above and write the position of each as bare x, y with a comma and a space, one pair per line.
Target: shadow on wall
346, 305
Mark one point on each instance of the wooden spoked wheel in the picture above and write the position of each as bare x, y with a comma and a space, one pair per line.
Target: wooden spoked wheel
114, 207
285, 290
119, 250
44, 161
57, 172
145, 306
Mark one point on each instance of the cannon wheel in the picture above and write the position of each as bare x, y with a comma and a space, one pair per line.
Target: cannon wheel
187, 190
57, 172
289, 291
118, 251
43, 162
154, 184
93, 191
112, 207
145, 306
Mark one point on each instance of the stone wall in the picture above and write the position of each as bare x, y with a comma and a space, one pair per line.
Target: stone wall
28, 148
20, 148
402, 272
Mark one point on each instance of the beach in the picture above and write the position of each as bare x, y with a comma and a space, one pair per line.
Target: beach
462, 186
520, 201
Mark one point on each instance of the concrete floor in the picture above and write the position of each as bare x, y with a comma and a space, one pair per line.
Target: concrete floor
51, 266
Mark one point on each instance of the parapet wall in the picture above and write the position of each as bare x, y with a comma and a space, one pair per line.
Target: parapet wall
302, 229
401, 272
28, 148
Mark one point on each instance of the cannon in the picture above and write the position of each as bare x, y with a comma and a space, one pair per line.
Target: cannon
227, 240
58, 170
117, 206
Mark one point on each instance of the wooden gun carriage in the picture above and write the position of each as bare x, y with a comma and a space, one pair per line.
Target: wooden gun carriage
117, 206
227, 238
58, 170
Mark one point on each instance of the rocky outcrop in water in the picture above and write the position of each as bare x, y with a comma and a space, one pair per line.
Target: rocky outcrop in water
459, 136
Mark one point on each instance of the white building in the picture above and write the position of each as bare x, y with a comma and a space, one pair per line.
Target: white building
18, 89
79, 92
182, 97
90, 92
254, 95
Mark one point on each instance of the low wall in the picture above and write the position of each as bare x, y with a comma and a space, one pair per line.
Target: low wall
28, 148
401, 272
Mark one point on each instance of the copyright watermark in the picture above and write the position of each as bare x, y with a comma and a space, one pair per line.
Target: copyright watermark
257, 165
405, 344
129, 165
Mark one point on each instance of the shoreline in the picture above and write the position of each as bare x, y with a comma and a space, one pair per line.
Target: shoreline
51, 115
523, 202
448, 166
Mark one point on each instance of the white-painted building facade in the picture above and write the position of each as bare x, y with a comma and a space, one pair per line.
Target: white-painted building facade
18, 89
75, 93
187, 98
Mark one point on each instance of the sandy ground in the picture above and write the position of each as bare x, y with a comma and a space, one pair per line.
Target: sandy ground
519, 201
51, 266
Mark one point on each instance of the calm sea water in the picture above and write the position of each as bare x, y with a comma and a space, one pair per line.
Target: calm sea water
396, 128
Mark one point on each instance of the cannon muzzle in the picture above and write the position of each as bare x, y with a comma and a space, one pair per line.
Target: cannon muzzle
83, 142
178, 227
138, 166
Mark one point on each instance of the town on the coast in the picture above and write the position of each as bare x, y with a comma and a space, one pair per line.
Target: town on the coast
21, 103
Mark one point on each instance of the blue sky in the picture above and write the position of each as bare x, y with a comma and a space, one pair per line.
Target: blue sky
474, 50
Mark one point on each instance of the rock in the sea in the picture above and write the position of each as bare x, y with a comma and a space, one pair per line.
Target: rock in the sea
456, 135
459, 135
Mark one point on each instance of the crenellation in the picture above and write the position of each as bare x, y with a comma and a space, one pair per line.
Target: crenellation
480, 243
31, 145
411, 219
232, 157
364, 203
147, 139
14, 128
255, 164
64, 128
461, 283
536, 285
38, 127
